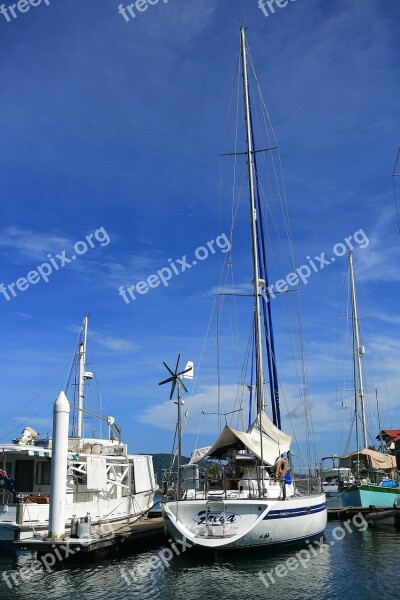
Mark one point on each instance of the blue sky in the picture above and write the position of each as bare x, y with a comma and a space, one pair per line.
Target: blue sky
118, 125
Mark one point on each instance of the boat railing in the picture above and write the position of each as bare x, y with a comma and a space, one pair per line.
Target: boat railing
200, 484
203, 484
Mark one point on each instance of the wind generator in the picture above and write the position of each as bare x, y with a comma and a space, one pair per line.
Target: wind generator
176, 380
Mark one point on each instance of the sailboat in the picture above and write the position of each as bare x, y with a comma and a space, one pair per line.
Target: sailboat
103, 479
364, 477
253, 500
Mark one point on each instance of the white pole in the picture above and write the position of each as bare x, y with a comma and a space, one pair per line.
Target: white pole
178, 483
58, 480
358, 350
256, 277
82, 359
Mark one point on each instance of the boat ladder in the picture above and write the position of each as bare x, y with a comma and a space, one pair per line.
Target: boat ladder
215, 520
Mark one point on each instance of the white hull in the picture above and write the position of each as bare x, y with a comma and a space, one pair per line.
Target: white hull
247, 498
53, 483
111, 488
233, 524
22, 521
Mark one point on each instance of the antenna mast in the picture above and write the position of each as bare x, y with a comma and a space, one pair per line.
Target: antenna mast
82, 358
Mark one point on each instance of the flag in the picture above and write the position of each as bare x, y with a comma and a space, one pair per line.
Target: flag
7, 482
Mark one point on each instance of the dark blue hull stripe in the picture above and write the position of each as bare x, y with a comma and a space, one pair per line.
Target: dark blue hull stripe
295, 512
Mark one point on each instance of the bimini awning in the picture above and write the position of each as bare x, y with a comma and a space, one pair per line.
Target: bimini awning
270, 445
377, 460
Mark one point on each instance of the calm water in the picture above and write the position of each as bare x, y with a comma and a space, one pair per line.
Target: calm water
363, 565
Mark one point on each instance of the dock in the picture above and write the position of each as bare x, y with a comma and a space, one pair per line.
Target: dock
102, 540
389, 517
370, 513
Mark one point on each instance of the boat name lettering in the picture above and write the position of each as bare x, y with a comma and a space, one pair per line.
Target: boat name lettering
215, 518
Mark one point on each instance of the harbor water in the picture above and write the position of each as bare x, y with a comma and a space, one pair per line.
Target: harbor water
348, 563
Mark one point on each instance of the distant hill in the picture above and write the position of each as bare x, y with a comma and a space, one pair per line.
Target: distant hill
163, 461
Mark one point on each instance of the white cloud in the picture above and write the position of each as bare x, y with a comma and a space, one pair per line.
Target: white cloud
392, 319
190, 18
107, 341
113, 343
44, 422
165, 415
32, 245
380, 260
135, 268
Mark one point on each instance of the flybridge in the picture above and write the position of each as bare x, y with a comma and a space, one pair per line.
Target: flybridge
82, 474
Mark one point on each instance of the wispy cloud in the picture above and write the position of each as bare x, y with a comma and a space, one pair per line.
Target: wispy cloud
380, 260
32, 245
44, 422
32, 248
130, 270
164, 415
107, 341
190, 18
239, 288
392, 319
114, 343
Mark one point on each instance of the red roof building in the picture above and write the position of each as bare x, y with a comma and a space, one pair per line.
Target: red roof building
389, 436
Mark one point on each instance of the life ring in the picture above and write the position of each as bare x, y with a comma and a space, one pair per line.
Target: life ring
281, 467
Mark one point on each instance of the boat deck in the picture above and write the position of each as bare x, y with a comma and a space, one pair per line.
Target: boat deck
102, 539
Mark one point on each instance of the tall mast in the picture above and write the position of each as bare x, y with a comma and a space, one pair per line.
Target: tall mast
358, 349
82, 358
253, 217
179, 403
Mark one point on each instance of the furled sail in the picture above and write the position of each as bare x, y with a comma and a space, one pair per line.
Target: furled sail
271, 445
376, 459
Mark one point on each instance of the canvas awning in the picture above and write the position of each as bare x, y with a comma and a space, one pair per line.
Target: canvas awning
198, 454
270, 445
377, 460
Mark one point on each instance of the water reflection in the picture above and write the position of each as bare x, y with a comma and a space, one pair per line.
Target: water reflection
363, 565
